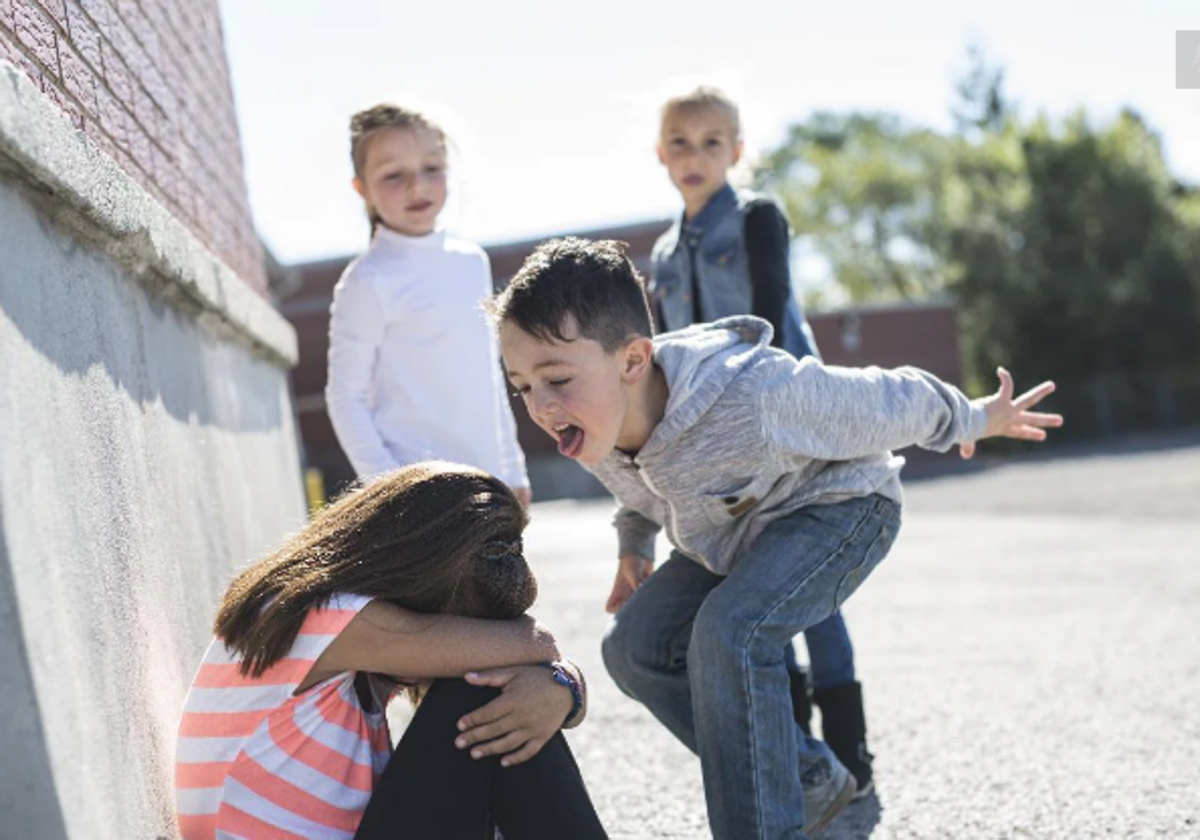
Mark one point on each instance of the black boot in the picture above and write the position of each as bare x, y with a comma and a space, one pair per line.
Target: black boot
844, 727
801, 702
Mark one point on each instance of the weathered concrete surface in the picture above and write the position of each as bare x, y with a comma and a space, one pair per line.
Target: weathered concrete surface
147, 448
1030, 653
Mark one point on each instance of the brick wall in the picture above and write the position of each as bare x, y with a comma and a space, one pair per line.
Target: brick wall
148, 82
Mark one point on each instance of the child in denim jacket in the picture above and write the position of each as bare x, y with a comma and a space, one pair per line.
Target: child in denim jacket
728, 255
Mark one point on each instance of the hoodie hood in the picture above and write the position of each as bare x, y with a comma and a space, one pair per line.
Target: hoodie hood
700, 362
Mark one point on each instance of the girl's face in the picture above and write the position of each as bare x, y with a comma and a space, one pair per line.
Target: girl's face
698, 150
404, 178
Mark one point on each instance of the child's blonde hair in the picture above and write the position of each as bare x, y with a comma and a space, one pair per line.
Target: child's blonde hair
365, 123
703, 99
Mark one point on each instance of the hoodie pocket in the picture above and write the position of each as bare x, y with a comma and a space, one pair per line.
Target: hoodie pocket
722, 507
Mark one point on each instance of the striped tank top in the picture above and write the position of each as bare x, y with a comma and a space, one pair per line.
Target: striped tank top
255, 761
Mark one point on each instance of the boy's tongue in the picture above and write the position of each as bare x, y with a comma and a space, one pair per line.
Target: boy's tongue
570, 441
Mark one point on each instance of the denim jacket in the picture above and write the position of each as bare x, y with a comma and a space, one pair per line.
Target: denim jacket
713, 247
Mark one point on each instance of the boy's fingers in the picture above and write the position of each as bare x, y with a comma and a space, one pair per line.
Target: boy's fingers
1027, 433
526, 752
966, 450
1034, 395
1006, 383
615, 602
1033, 418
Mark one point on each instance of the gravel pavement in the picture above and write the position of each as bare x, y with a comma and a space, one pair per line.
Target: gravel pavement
1030, 654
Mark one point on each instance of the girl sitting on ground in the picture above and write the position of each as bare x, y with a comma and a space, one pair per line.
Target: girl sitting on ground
415, 581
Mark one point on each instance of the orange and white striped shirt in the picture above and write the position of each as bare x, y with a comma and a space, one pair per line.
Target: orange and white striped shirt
254, 760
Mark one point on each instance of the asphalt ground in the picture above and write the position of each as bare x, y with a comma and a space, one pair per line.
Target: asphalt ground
1030, 654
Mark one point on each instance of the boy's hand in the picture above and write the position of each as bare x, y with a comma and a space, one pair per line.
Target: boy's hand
631, 571
524, 496
1011, 418
530, 709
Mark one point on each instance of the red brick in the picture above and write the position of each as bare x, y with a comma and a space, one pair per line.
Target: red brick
126, 45
66, 104
35, 32
138, 145
98, 136
56, 10
152, 81
166, 173
162, 108
143, 30
100, 13
130, 165
84, 35
116, 73
113, 118
148, 114
78, 78
157, 14
25, 64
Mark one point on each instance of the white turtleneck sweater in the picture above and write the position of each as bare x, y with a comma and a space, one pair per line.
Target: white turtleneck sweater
414, 367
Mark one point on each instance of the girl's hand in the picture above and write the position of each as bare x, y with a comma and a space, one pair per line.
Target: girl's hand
1008, 417
530, 709
631, 571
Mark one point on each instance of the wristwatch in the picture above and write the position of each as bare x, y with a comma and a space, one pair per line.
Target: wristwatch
563, 676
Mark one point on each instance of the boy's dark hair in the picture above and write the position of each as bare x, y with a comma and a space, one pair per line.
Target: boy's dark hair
593, 282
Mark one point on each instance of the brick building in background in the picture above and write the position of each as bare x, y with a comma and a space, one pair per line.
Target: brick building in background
924, 335
147, 437
147, 81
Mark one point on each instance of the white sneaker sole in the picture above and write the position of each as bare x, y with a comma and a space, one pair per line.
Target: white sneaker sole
844, 797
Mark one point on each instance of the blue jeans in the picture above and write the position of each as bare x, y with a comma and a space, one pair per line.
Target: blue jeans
705, 654
830, 653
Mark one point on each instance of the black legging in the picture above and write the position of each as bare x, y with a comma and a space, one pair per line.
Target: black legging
433, 790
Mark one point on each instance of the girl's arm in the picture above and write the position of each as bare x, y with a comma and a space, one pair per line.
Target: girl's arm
767, 257
387, 639
356, 328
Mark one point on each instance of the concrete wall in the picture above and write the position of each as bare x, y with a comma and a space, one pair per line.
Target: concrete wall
147, 449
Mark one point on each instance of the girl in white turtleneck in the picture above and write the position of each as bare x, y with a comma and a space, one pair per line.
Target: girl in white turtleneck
414, 373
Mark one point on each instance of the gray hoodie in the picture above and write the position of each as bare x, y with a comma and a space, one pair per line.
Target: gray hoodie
750, 435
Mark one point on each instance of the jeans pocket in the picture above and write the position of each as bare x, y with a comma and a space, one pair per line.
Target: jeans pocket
878, 545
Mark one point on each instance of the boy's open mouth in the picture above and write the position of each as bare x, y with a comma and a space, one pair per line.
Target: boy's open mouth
570, 439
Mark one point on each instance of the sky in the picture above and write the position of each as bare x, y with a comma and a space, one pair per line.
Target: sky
552, 106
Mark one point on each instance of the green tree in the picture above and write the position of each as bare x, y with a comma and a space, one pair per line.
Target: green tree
1069, 247
863, 189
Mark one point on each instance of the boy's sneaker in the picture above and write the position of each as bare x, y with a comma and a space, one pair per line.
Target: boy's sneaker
826, 800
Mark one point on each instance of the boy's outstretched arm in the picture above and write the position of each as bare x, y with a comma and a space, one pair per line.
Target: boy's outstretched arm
1008, 417
839, 414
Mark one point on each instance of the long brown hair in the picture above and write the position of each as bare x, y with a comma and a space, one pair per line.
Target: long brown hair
431, 537
365, 123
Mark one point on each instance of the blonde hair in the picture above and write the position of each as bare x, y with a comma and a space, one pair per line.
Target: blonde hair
703, 99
